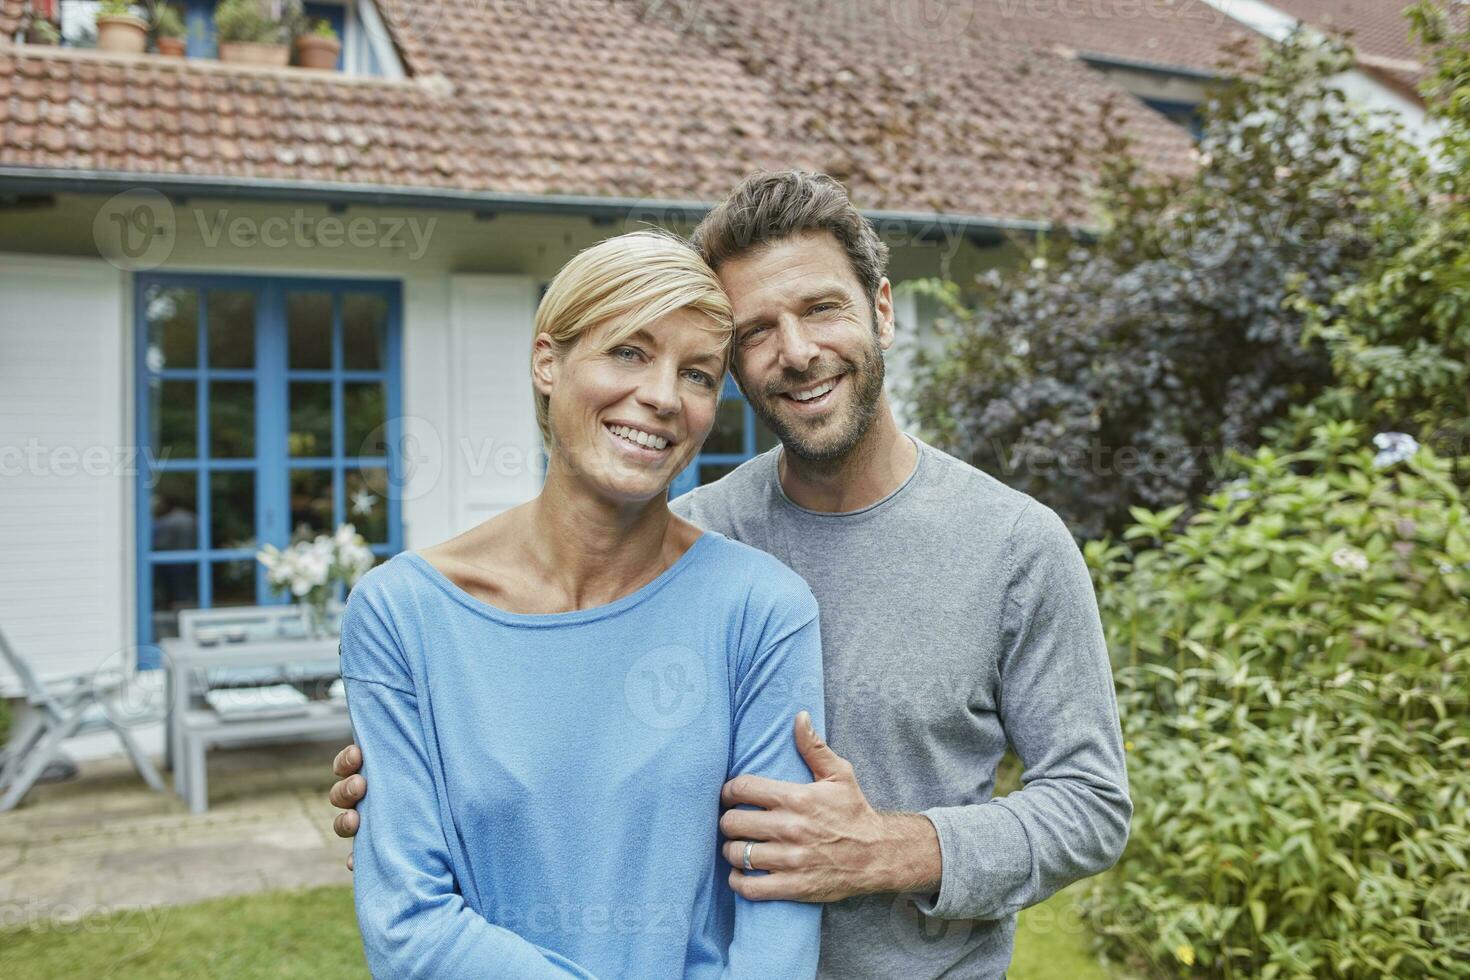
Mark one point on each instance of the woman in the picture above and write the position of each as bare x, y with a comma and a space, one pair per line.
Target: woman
550, 702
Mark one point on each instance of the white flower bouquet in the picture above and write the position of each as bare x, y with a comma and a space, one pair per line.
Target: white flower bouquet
311, 569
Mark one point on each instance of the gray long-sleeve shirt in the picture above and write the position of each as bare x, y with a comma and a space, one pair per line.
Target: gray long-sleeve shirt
957, 616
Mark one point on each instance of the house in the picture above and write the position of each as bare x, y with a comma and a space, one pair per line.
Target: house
1169, 53
239, 300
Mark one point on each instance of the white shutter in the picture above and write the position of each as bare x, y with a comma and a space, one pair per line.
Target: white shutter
494, 447
66, 469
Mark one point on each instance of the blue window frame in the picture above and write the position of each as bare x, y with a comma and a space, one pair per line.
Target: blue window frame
737, 436
267, 406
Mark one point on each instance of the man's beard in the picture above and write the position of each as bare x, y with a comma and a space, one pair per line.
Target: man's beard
866, 380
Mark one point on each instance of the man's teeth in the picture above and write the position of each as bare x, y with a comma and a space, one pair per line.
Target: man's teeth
639, 436
817, 392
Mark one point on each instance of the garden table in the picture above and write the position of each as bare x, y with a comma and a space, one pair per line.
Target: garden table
205, 658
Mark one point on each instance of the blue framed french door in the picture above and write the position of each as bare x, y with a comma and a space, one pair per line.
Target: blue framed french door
267, 407
737, 436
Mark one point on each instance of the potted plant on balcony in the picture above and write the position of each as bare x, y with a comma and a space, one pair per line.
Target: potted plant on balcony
119, 30
320, 48
249, 34
43, 31
169, 31
43, 22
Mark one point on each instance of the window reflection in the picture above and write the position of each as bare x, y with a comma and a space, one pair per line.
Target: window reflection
728, 434
232, 509
175, 520
232, 583
364, 409
173, 327
173, 414
311, 419
230, 318
175, 587
364, 332
311, 501
309, 331
232, 419
367, 503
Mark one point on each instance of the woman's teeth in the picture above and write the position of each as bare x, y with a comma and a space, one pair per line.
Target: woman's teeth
817, 392
637, 436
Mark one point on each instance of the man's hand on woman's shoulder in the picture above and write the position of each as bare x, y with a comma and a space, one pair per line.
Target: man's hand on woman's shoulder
347, 792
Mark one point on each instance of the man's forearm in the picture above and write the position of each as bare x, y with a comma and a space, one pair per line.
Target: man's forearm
907, 859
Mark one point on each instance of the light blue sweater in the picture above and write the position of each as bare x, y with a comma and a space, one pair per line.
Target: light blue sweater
544, 789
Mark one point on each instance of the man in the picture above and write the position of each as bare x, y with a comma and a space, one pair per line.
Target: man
957, 617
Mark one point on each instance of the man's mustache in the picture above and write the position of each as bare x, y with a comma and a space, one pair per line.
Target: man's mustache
793, 380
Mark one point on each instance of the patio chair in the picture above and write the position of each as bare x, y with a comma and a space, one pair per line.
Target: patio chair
59, 710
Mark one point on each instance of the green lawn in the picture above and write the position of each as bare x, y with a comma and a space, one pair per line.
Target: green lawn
314, 934
279, 934
1053, 944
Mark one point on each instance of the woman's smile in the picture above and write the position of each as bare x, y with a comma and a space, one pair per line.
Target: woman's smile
640, 442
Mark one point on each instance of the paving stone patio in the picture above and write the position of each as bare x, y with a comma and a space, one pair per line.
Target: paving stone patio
105, 841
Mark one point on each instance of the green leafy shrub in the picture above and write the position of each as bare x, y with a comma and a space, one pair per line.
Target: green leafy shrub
1112, 373
1294, 686
1399, 336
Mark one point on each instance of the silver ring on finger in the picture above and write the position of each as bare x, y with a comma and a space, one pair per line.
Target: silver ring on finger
749, 845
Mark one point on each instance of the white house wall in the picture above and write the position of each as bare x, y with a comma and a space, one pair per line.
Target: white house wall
492, 446
66, 470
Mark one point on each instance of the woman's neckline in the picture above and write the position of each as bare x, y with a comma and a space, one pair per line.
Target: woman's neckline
572, 616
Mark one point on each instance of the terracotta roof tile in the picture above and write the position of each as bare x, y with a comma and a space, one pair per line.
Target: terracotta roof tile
1378, 30
597, 98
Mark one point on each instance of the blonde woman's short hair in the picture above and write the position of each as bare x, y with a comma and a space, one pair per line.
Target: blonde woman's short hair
633, 279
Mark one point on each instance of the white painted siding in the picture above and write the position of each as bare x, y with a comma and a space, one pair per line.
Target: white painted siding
492, 446
66, 470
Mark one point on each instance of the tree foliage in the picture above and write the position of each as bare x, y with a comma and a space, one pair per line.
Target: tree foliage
1399, 335
1115, 372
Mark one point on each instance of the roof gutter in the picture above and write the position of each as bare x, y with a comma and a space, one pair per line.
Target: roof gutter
34, 180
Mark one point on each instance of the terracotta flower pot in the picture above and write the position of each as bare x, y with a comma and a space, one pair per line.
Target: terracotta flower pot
122, 34
173, 47
315, 51
252, 53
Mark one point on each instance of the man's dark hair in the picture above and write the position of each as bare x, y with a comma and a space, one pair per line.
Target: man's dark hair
768, 207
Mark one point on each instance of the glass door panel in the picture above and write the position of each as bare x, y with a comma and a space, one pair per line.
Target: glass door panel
268, 406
